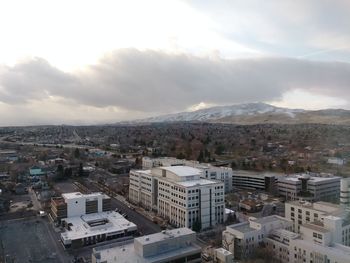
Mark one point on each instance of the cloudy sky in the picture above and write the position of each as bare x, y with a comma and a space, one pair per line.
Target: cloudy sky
87, 62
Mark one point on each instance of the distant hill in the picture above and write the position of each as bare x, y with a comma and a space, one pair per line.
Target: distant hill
255, 113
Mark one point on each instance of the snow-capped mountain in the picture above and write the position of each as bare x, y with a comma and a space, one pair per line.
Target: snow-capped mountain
223, 112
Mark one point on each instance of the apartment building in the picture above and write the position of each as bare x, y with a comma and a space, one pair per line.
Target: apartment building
177, 245
209, 171
179, 194
310, 187
302, 212
243, 239
77, 204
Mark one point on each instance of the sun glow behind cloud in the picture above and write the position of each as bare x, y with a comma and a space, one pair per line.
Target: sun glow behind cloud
300, 99
72, 34
120, 60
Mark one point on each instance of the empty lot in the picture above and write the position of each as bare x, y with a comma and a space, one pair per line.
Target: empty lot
30, 240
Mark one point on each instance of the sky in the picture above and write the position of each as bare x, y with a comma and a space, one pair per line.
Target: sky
94, 62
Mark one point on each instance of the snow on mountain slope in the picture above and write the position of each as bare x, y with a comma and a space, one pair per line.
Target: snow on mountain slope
222, 112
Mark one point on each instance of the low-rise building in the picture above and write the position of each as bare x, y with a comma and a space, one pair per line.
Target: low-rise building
177, 245
36, 171
302, 212
87, 219
325, 241
77, 204
94, 228
263, 181
311, 187
222, 255
243, 239
180, 195
336, 161
315, 243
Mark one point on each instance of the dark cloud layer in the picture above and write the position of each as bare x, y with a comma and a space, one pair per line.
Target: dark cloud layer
154, 81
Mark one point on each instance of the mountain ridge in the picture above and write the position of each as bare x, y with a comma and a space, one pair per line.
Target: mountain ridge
254, 113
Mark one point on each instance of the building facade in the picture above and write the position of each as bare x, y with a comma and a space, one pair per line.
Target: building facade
243, 239
93, 228
325, 241
289, 247
255, 180
345, 192
311, 187
302, 212
77, 204
87, 219
180, 195
209, 171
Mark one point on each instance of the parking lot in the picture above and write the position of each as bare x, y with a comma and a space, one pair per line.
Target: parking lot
30, 241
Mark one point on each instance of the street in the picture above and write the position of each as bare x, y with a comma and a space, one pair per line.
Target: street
144, 225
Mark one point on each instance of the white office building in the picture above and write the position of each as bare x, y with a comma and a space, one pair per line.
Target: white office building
94, 228
88, 220
324, 241
221, 173
345, 192
177, 245
302, 212
243, 239
313, 244
310, 187
180, 195
77, 204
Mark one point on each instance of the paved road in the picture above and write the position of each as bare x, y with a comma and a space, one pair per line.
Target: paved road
35, 201
144, 225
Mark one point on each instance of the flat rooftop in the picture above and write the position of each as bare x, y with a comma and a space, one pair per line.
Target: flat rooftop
242, 227
197, 182
164, 235
284, 233
96, 224
316, 228
182, 170
311, 178
223, 251
124, 252
336, 249
269, 219
318, 206
74, 195
255, 174
148, 172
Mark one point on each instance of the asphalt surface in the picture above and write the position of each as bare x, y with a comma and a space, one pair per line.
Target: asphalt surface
31, 240
144, 225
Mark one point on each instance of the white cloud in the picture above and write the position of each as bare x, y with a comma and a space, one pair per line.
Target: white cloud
301, 99
200, 106
128, 84
73, 34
